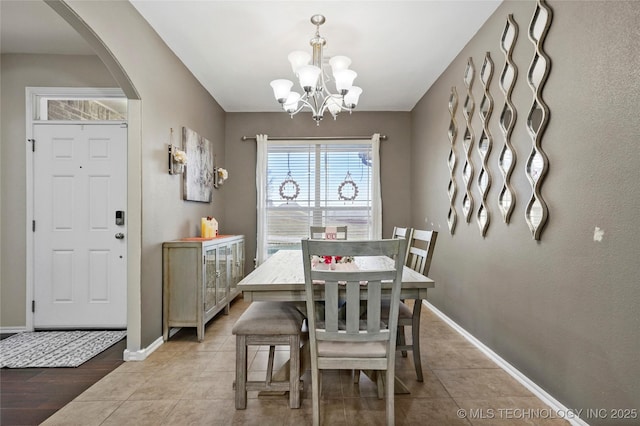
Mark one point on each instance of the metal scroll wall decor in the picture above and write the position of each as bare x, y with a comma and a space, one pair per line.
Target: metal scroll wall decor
468, 140
485, 143
537, 165
507, 159
452, 190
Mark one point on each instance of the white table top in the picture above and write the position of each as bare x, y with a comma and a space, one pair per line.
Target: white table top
281, 278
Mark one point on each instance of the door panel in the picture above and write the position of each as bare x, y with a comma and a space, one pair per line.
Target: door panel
79, 264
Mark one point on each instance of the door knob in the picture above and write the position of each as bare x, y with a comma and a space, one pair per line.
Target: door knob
119, 236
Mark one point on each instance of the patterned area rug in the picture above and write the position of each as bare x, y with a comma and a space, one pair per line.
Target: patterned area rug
55, 348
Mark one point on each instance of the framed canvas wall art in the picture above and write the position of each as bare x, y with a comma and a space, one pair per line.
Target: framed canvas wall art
198, 176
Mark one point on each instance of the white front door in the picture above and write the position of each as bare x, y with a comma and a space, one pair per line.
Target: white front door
79, 238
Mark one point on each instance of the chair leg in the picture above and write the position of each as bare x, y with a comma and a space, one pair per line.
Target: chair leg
315, 396
390, 373
241, 372
401, 341
294, 371
356, 376
380, 383
415, 336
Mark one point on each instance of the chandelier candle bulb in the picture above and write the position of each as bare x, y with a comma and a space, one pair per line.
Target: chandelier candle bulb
291, 104
308, 75
281, 89
344, 80
339, 63
298, 58
351, 98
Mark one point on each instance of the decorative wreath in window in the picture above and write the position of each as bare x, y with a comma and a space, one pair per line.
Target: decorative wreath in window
348, 190
289, 188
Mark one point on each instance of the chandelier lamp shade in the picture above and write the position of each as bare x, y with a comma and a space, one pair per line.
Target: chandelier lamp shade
313, 79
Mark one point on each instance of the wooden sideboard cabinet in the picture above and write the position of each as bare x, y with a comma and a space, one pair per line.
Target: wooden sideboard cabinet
200, 279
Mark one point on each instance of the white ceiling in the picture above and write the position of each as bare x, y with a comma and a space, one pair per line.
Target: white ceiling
235, 48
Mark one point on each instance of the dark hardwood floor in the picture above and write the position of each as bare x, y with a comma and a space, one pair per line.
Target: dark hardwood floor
28, 396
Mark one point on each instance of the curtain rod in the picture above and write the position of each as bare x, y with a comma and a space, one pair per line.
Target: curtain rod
313, 138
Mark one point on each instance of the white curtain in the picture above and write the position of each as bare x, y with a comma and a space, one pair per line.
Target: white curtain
261, 186
376, 198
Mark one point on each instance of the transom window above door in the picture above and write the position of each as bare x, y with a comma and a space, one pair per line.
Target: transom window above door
82, 109
78, 104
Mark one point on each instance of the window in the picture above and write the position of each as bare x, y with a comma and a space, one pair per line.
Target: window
80, 104
83, 109
319, 183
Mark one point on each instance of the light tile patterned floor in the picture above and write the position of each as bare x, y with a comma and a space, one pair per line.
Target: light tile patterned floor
189, 383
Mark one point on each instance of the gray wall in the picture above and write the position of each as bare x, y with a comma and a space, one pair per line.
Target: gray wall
18, 72
564, 310
171, 98
240, 160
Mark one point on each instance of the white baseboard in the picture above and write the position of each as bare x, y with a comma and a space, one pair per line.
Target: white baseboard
12, 330
142, 354
561, 410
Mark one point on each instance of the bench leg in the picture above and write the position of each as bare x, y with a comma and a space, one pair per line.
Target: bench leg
241, 372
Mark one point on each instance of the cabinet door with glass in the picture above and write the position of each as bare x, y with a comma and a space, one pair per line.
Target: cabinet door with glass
222, 282
237, 270
210, 278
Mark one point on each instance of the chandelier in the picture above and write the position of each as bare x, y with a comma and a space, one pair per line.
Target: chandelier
313, 79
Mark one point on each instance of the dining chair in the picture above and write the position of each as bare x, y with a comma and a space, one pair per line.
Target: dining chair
268, 323
405, 233
419, 252
339, 338
328, 232
398, 232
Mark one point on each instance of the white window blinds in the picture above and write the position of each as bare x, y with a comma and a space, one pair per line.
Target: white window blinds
320, 184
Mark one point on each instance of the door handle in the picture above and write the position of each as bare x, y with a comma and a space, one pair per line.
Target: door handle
119, 236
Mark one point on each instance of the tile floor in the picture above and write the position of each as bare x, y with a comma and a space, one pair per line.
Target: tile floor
189, 383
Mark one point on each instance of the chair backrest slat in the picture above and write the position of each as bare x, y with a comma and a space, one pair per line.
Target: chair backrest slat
321, 232
374, 300
331, 305
352, 307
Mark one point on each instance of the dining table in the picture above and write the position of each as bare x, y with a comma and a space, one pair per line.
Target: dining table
281, 278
